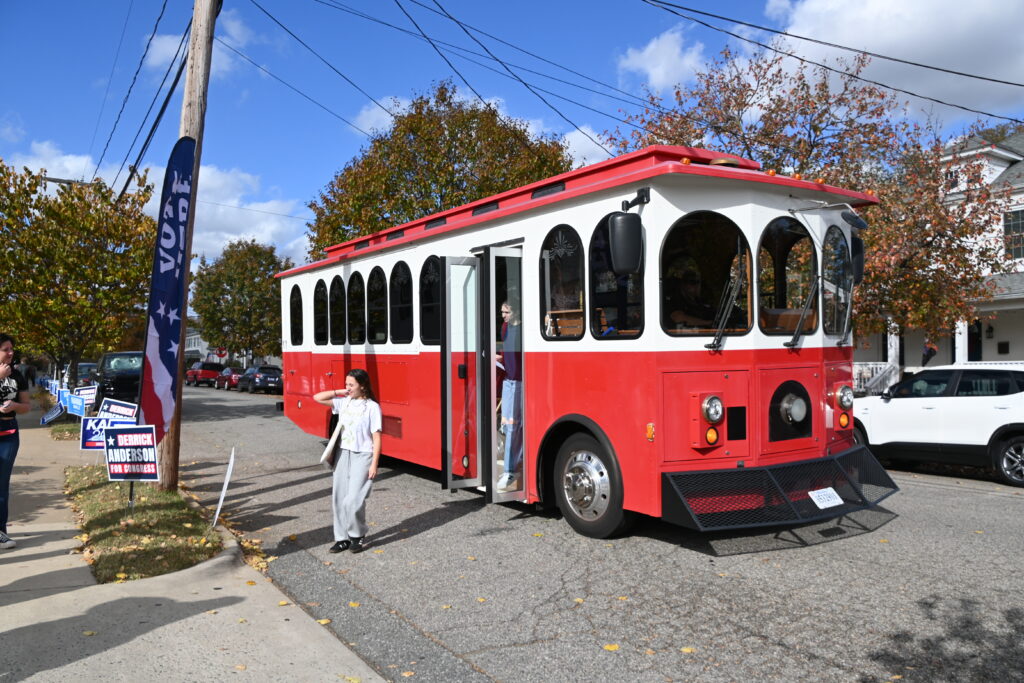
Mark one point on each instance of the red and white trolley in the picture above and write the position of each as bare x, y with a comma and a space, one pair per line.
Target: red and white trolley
684, 321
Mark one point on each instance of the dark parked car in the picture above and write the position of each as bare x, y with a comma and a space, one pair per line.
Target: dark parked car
261, 378
203, 373
117, 375
228, 378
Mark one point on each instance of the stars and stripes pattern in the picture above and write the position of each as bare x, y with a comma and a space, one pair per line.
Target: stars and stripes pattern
159, 389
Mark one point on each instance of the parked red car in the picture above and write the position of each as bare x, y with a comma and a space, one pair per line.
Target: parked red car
228, 378
203, 373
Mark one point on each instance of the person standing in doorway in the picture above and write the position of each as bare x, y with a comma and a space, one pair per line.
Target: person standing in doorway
356, 458
13, 400
512, 396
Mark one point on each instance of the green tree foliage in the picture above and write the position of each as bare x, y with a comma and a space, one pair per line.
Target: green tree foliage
77, 264
238, 300
927, 250
440, 153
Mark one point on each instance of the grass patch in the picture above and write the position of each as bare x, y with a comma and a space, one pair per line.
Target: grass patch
162, 535
67, 431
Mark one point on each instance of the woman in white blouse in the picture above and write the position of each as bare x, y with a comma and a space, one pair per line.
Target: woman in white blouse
355, 462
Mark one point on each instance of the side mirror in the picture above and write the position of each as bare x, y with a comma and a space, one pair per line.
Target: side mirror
885, 395
857, 256
626, 242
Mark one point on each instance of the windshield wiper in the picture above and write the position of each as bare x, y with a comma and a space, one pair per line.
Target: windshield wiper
849, 318
803, 314
728, 301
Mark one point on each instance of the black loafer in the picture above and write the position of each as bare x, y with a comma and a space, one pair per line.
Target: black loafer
340, 546
359, 545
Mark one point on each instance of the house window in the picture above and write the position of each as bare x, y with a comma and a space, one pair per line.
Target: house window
1013, 230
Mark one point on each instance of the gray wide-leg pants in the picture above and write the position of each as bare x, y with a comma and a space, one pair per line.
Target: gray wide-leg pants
351, 489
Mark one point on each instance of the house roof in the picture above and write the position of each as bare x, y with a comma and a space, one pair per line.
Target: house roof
1008, 286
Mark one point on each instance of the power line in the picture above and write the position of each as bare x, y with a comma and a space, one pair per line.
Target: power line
841, 47
156, 96
322, 59
156, 124
525, 84
655, 3
487, 105
292, 87
110, 78
131, 85
246, 208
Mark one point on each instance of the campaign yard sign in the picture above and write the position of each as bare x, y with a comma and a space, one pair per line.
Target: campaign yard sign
76, 405
88, 393
62, 397
122, 410
52, 414
93, 431
131, 453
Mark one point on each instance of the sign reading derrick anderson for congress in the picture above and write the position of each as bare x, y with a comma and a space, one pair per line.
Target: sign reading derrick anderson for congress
131, 453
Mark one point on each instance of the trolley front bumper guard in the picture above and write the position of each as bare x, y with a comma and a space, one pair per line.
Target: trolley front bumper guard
791, 493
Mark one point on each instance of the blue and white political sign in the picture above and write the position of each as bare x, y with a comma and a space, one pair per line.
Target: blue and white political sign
118, 409
62, 397
131, 453
88, 393
76, 405
52, 414
94, 430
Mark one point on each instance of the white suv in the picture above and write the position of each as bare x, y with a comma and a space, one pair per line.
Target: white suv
960, 414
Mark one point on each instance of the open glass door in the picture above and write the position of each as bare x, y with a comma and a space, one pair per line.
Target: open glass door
460, 373
505, 437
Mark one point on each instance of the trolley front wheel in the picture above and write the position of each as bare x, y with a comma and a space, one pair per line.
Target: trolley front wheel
588, 488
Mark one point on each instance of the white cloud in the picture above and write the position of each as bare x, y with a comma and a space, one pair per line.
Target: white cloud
372, 118
980, 37
220, 191
230, 28
665, 61
582, 150
11, 129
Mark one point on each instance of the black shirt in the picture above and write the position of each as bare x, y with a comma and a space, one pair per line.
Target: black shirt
10, 387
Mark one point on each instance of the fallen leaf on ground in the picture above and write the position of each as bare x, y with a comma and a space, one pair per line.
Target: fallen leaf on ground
406, 674
250, 583
611, 647
283, 603
579, 600
353, 604
688, 650
240, 667
323, 621
293, 537
481, 599
88, 633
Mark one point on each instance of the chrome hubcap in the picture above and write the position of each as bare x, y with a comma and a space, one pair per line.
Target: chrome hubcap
586, 485
1013, 462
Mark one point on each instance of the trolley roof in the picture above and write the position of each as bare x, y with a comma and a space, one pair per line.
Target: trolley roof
633, 167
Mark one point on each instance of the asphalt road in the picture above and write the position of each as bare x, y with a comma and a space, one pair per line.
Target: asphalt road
930, 588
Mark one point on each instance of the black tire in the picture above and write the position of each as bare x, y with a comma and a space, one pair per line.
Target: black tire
588, 488
242, 389
859, 437
1009, 461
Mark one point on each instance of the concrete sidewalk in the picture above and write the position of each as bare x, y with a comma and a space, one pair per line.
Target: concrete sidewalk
203, 623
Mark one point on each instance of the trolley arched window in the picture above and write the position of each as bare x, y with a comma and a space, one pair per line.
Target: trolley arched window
401, 304
430, 301
356, 310
377, 307
295, 315
561, 284
836, 282
787, 278
616, 301
320, 313
336, 306
705, 277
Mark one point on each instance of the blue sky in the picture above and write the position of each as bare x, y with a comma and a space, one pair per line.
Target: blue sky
270, 151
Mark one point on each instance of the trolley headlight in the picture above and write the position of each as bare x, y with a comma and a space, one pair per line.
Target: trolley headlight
845, 397
793, 409
712, 409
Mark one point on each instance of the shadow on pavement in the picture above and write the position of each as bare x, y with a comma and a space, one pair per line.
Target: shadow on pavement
958, 639
48, 645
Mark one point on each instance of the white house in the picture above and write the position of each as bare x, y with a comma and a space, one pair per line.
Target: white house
998, 334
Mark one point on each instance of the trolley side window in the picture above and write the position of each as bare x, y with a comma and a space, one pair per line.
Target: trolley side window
336, 306
377, 307
561, 275
705, 277
320, 313
356, 310
786, 278
430, 302
401, 304
836, 281
616, 301
295, 315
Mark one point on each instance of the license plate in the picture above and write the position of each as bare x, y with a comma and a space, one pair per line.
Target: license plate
825, 498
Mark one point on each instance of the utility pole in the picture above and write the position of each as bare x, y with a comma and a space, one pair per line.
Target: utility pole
193, 116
